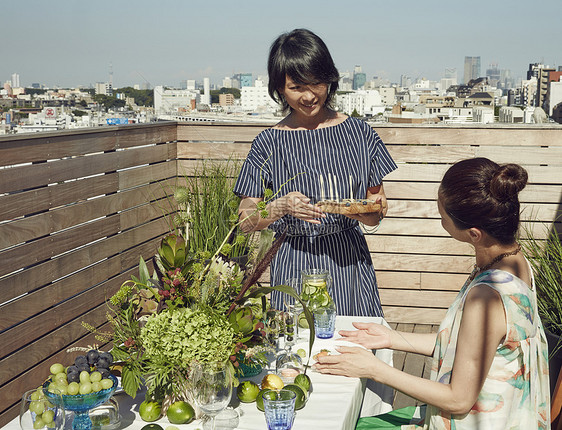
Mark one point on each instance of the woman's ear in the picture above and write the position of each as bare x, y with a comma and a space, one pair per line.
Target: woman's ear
475, 235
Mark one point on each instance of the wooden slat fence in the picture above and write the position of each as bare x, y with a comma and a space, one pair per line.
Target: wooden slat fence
419, 267
78, 208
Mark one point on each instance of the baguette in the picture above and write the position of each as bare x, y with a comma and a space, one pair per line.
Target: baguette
350, 207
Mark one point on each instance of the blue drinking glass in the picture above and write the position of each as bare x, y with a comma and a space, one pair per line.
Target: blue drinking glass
325, 322
279, 406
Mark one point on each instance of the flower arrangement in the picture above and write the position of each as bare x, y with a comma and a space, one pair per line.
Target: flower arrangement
196, 307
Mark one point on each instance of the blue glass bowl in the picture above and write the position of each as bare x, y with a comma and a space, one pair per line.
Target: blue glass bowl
81, 404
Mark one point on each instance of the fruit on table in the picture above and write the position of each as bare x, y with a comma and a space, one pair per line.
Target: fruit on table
301, 353
300, 400
180, 412
150, 410
42, 409
272, 381
322, 353
304, 382
259, 399
152, 426
89, 373
247, 391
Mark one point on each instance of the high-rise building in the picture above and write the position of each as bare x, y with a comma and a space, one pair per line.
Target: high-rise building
206, 99
405, 81
359, 78
542, 86
471, 68
245, 80
15, 80
493, 74
227, 82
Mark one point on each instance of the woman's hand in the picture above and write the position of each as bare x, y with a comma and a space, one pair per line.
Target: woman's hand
369, 335
353, 362
298, 205
372, 219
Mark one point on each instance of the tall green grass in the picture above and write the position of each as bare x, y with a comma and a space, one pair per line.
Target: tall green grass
545, 256
207, 207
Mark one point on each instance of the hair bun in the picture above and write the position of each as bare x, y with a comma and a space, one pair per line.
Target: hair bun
508, 181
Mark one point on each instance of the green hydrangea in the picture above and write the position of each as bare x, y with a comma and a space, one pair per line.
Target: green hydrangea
182, 336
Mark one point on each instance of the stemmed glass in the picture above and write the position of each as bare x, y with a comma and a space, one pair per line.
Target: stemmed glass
289, 364
292, 305
212, 388
37, 411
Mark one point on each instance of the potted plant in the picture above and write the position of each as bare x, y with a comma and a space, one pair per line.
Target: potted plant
545, 256
197, 305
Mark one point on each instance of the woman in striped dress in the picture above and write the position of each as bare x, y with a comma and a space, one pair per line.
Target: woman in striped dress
314, 146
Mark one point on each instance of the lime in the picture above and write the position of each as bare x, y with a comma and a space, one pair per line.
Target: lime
247, 391
152, 427
180, 413
259, 399
301, 396
303, 323
301, 353
304, 382
150, 411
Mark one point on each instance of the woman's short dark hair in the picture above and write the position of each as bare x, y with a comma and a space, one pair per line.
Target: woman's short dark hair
304, 57
480, 193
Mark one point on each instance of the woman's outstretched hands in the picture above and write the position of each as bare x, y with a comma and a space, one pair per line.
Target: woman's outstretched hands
369, 335
298, 205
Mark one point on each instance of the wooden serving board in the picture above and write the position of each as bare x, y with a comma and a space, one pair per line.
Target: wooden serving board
350, 207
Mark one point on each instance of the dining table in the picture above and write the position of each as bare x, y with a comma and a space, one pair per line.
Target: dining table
335, 402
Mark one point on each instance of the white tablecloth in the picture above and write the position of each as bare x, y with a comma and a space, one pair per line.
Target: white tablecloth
335, 403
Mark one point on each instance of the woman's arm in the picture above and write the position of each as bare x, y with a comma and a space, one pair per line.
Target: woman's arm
483, 328
371, 219
294, 203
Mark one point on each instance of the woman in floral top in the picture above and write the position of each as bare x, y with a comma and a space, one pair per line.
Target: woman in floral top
490, 366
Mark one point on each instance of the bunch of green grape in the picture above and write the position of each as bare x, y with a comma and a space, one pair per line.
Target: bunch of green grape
88, 374
43, 409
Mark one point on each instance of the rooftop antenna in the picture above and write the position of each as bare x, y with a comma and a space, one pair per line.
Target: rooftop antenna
110, 75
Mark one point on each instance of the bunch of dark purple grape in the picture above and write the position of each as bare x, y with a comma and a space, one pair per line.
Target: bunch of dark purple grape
93, 361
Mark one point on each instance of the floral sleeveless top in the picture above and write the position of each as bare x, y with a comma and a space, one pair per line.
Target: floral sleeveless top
516, 392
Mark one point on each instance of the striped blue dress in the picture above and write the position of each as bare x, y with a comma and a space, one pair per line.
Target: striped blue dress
293, 160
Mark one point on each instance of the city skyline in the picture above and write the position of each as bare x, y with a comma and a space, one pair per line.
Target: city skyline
68, 43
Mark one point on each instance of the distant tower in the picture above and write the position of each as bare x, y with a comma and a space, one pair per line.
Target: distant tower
471, 68
359, 78
493, 74
110, 83
206, 99
15, 80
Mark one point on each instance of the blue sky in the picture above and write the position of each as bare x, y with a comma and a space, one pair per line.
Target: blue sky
73, 42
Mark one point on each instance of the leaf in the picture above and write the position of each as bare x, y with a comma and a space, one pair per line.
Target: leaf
129, 382
144, 274
287, 289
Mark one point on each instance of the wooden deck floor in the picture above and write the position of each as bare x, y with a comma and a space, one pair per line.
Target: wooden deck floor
413, 364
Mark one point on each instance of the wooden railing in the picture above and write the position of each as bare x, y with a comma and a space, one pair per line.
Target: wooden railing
419, 267
78, 209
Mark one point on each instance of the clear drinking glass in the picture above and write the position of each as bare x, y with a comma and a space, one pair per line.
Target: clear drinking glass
293, 306
279, 407
38, 412
212, 388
